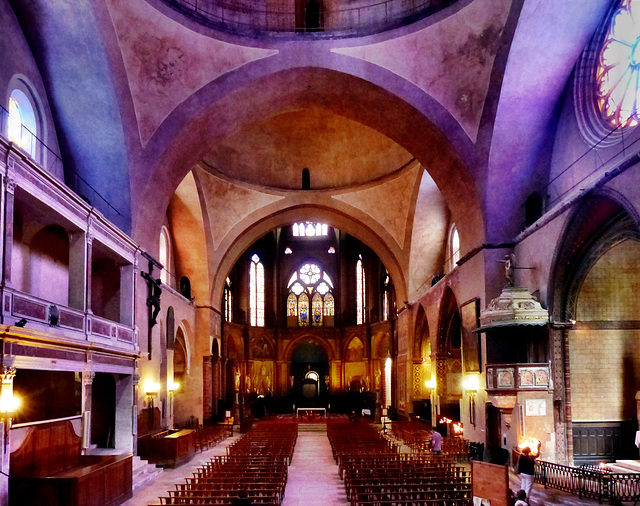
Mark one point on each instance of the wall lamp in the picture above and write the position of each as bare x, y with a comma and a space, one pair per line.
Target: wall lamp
9, 405
471, 383
173, 387
151, 391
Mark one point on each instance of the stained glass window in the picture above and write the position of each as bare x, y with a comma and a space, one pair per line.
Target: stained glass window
309, 290
309, 229
292, 305
385, 306
618, 71
310, 273
228, 302
256, 292
316, 306
360, 293
303, 310
454, 247
328, 305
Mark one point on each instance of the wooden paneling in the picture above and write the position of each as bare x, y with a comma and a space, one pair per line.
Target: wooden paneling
595, 442
48, 449
490, 481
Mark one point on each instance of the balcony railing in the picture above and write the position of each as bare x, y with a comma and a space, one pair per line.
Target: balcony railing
88, 326
346, 19
588, 482
49, 160
510, 377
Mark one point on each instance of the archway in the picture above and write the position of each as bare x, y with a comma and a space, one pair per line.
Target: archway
597, 289
421, 391
449, 357
308, 372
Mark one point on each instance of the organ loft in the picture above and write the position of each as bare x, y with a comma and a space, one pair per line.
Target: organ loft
317, 231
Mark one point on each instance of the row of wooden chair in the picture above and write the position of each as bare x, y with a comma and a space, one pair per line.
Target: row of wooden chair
375, 473
207, 436
257, 464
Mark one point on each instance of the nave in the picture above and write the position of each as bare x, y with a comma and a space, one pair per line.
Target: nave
313, 476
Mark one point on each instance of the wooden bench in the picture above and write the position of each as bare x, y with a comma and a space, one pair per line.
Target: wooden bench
169, 448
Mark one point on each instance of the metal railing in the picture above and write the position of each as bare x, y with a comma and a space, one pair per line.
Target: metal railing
51, 162
589, 483
368, 16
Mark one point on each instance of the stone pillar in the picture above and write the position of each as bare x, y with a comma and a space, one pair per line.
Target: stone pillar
87, 387
9, 198
127, 300
134, 413
77, 271
88, 266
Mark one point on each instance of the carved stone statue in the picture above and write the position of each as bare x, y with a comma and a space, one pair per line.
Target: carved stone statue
509, 262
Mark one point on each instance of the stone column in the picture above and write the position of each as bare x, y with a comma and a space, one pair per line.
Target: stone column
127, 301
134, 412
87, 387
88, 265
9, 198
77, 271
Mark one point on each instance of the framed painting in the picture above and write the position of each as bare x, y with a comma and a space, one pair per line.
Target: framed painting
471, 352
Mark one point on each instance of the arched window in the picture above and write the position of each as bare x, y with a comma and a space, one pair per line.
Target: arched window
310, 297
303, 310
228, 301
256, 292
22, 125
361, 293
454, 247
165, 256
386, 296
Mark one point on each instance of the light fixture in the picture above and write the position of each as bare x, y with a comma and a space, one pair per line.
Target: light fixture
9, 405
287, 251
470, 383
173, 387
331, 250
432, 384
151, 391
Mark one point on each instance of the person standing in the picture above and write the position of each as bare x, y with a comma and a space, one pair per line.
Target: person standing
436, 442
527, 468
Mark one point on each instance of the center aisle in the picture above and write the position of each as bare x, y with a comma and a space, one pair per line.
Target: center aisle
313, 474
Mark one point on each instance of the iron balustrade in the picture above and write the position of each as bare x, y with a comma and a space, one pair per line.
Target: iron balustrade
49, 160
586, 482
366, 18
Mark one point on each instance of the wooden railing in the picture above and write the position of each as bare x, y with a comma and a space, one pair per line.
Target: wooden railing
587, 482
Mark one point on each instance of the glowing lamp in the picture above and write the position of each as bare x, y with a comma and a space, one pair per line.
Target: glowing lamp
471, 383
173, 387
151, 389
431, 384
9, 404
457, 429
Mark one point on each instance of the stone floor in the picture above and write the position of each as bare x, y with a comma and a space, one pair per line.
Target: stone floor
313, 474
313, 478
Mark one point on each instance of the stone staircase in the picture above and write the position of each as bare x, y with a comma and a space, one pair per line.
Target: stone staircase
143, 472
312, 427
624, 466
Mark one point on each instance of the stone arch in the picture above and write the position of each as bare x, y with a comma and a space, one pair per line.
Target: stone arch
318, 340
354, 89
421, 333
353, 350
231, 250
448, 347
593, 283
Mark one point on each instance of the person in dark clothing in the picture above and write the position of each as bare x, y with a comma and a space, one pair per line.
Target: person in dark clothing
526, 469
242, 499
